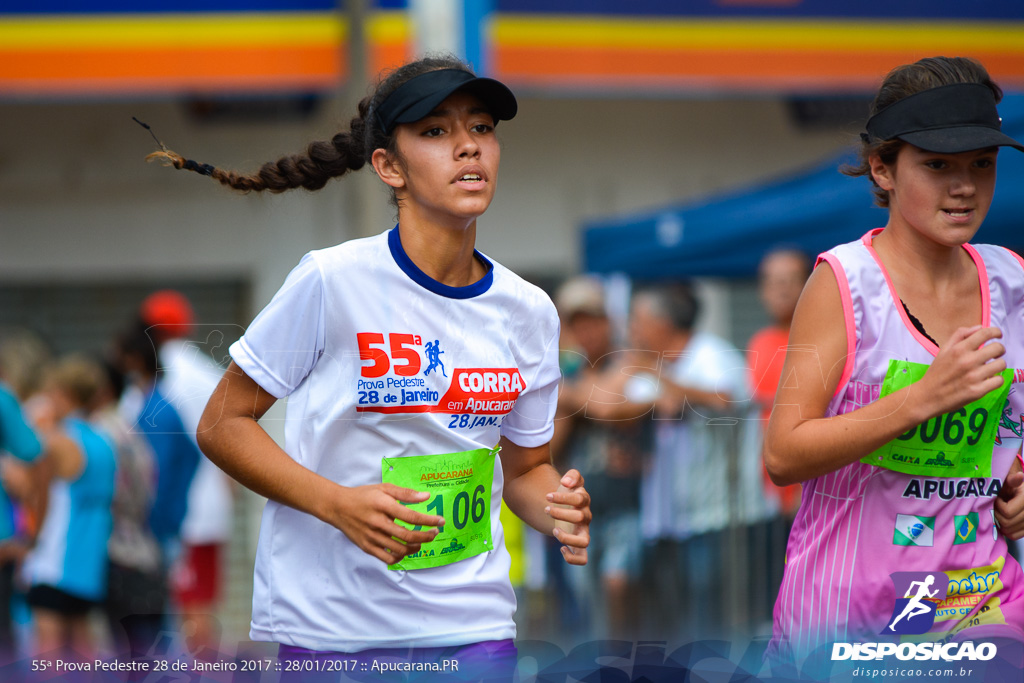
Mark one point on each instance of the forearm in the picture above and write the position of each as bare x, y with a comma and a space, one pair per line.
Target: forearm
240, 447
796, 449
526, 497
555, 505
699, 398
39, 492
618, 411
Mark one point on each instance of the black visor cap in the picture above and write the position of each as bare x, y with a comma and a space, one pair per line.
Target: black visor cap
948, 119
420, 95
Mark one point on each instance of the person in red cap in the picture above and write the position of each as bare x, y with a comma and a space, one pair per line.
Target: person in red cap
187, 378
168, 313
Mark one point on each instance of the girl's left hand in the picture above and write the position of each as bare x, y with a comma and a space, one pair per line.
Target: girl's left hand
1010, 504
570, 508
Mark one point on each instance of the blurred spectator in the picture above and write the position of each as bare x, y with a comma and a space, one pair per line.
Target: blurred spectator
137, 586
608, 450
781, 277
177, 455
67, 568
18, 440
187, 378
23, 356
687, 489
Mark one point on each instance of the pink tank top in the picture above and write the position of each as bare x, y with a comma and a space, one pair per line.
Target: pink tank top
861, 523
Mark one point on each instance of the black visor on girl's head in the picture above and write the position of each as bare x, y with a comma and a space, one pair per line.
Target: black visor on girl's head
947, 120
420, 95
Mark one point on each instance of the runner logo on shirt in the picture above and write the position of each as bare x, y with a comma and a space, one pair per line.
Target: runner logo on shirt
966, 528
914, 530
921, 592
433, 350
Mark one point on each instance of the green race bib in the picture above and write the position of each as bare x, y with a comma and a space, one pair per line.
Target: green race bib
957, 444
459, 485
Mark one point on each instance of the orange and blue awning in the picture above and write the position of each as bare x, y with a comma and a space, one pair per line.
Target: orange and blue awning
744, 45
390, 36
104, 47
110, 47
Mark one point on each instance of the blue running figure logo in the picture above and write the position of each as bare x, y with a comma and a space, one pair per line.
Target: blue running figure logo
918, 595
434, 352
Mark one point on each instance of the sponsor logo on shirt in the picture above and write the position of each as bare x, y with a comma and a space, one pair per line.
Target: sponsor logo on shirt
903, 457
923, 488
971, 597
914, 530
940, 461
453, 547
482, 391
965, 528
979, 580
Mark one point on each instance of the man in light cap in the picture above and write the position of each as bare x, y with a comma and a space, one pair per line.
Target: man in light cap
609, 453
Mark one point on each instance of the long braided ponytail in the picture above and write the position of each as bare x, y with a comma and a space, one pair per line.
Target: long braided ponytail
324, 159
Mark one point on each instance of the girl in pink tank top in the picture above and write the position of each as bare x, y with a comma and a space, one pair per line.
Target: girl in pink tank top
903, 407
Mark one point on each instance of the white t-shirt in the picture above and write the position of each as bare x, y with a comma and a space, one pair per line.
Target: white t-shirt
685, 490
376, 359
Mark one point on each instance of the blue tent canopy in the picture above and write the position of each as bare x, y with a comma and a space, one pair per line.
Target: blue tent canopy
726, 235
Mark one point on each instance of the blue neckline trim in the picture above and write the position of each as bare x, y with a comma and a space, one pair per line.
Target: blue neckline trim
429, 283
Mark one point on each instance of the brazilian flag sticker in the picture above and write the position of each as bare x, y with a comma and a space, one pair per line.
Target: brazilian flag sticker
966, 528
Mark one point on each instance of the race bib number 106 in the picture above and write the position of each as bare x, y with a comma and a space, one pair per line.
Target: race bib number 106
957, 444
459, 485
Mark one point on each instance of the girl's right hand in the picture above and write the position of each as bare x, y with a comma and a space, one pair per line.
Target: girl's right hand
367, 514
966, 368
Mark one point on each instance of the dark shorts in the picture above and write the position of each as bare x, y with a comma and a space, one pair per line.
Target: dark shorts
56, 600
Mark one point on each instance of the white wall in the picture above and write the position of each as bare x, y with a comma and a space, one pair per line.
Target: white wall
565, 160
78, 202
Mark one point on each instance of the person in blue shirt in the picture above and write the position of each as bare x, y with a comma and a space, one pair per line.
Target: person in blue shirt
19, 440
67, 568
177, 456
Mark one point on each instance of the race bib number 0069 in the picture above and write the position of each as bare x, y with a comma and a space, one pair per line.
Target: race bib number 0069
957, 444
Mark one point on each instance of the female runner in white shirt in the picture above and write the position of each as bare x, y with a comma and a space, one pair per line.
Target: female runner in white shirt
410, 343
